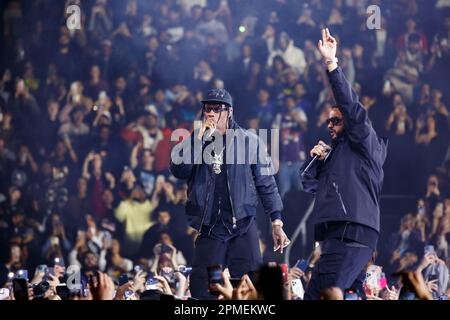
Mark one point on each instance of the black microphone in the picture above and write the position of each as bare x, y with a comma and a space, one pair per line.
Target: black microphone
314, 160
210, 132
310, 164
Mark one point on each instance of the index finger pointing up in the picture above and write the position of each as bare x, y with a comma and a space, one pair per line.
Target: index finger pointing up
324, 35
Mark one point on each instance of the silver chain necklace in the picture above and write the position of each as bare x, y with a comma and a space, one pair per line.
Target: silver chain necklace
217, 161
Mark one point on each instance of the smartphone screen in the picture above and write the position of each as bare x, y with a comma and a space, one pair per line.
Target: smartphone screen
350, 295
20, 288
432, 277
59, 262
48, 272
406, 294
297, 288
138, 268
128, 295
166, 249
428, 249
302, 264
215, 274
41, 268
22, 274
63, 291
151, 284
123, 279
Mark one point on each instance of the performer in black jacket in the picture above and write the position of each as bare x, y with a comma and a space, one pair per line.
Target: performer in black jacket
223, 195
347, 183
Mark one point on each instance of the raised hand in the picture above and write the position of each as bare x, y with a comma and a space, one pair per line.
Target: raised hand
392, 294
139, 281
327, 46
226, 290
120, 292
163, 285
280, 239
246, 290
103, 288
432, 285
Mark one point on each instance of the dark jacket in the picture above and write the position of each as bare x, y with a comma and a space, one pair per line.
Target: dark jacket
348, 183
245, 180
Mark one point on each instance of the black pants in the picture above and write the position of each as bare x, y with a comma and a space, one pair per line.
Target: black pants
340, 265
239, 254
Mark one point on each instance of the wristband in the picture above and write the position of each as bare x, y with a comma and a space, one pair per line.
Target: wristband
328, 62
278, 223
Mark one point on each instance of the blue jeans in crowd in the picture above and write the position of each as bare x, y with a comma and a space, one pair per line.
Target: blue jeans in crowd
288, 177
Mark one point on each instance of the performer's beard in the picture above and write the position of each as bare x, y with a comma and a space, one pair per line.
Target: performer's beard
335, 135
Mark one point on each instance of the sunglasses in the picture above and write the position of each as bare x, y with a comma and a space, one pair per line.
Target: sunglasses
216, 108
335, 121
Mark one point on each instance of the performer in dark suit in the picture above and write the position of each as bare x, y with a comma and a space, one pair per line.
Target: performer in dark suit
347, 181
223, 195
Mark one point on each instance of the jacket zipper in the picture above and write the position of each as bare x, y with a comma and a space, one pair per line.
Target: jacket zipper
215, 222
206, 207
231, 202
339, 196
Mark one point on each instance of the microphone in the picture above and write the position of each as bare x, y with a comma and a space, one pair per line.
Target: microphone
315, 158
209, 132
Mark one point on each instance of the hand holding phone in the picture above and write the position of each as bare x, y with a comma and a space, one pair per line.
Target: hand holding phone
432, 277
49, 272
129, 295
383, 281
302, 264
151, 284
214, 277
350, 295
285, 272
41, 268
63, 291
373, 276
123, 279
166, 249
297, 288
137, 268
4, 294
429, 249
20, 287
22, 274
185, 270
